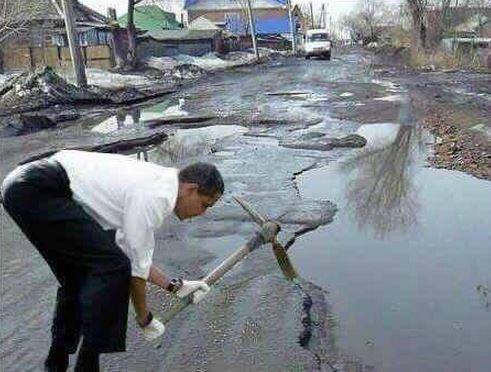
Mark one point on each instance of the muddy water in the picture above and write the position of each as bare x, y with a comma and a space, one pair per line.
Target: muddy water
406, 259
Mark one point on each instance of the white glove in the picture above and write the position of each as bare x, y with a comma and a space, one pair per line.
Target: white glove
197, 288
153, 330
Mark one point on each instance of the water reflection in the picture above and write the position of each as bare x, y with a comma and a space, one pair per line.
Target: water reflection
381, 193
133, 117
190, 143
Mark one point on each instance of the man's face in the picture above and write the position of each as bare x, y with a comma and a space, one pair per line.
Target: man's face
191, 203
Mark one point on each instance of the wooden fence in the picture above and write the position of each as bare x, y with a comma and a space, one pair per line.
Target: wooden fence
99, 56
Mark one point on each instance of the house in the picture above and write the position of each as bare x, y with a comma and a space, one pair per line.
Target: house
162, 43
465, 21
467, 32
271, 16
44, 41
151, 18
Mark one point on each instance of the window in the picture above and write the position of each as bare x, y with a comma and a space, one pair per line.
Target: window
318, 37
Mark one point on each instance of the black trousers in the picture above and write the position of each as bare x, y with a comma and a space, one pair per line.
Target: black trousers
93, 272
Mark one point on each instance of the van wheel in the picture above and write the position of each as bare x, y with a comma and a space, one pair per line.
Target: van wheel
328, 56
307, 57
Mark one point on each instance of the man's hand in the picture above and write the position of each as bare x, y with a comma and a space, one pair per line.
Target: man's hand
197, 288
151, 328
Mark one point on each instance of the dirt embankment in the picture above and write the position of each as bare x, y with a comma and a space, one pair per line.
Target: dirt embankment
458, 147
456, 109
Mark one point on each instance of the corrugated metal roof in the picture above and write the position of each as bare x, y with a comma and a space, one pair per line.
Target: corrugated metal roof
150, 18
51, 10
231, 4
182, 34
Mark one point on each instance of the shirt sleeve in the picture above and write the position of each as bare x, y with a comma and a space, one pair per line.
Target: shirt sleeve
143, 214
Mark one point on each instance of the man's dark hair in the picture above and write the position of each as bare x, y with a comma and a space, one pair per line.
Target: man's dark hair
206, 176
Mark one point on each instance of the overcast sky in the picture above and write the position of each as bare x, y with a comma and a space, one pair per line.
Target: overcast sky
335, 7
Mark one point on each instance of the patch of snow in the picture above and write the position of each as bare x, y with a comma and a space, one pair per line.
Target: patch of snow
5, 77
208, 62
392, 87
346, 94
162, 63
393, 98
106, 79
378, 135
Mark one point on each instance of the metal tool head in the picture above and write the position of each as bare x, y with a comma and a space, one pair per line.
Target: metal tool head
268, 229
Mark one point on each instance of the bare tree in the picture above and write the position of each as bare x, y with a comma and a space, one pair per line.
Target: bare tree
418, 10
431, 12
15, 16
248, 14
365, 21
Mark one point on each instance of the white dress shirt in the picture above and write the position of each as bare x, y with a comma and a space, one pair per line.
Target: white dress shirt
123, 194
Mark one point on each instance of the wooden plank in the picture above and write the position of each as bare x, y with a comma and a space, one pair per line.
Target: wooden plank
37, 55
51, 56
98, 52
65, 54
102, 64
16, 58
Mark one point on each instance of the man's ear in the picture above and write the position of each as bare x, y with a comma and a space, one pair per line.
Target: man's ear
190, 187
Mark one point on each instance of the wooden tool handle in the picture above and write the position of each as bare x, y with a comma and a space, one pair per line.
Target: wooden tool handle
255, 242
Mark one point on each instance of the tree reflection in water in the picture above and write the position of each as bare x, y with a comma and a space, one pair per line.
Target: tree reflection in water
381, 193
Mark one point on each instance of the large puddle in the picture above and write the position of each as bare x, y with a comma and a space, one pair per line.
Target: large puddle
406, 260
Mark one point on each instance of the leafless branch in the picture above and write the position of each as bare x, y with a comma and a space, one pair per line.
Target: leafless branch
15, 17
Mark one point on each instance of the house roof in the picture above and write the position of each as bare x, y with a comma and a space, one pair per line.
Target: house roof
181, 34
202, 23
151, 18
232, 4
52, 10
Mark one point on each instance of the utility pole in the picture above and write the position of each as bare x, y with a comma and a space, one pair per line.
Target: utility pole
78, 64
253, 28
292, 28
323, 17
312, 15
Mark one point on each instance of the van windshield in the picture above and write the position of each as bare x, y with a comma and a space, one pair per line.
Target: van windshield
318, 37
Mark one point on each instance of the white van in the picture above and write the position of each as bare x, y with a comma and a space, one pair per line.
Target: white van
317, 43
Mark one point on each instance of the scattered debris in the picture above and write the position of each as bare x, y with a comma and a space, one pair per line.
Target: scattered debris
153, 123
456, 148
45, 88
118, 147
326, 144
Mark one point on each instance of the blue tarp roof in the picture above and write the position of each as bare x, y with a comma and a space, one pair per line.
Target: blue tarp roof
273, 25
231, 4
